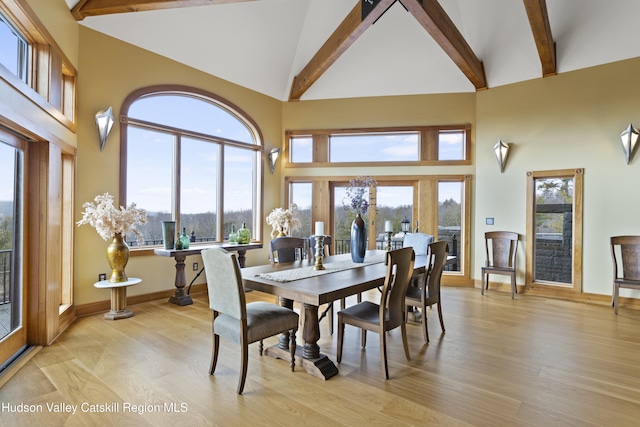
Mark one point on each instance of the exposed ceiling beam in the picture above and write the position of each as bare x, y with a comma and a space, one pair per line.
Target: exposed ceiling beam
539, 21
434, 19
352, 27
86, 8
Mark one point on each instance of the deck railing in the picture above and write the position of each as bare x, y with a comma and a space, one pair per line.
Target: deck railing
5, 276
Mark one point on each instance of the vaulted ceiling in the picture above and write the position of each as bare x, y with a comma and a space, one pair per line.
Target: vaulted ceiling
320, 49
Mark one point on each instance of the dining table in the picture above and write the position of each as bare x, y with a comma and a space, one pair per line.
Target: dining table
299, 281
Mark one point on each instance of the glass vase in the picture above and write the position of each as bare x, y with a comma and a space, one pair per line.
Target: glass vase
169, 234
358, 239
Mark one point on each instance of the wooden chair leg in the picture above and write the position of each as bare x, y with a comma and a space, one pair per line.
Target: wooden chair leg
616, 291
340, 338
364, 338
214, 353
330, 314
403, 328
425, 331
514, 290
484, 279
440, 316
383, 352
243, 364
292, 348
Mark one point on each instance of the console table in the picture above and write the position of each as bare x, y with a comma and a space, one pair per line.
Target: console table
180, 297
118, 297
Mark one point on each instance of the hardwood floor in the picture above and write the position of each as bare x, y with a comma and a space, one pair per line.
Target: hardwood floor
502, 362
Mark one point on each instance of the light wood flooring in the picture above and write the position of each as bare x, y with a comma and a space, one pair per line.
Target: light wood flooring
524, 362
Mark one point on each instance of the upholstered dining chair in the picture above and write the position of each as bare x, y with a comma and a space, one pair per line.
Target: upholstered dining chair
625, 253
389, 313
418, 241
287, 249
501, 248
427, 292
236, 320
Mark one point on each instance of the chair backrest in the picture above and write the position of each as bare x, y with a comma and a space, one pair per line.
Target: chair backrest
439, 251
224, 282
418, 241
312, 246
287, 249
399, 271
504, 245
629, 247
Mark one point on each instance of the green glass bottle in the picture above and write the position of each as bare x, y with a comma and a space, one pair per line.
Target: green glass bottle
185, 239
233, 236
244, 236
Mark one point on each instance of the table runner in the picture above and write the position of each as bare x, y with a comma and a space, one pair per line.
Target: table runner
330, 267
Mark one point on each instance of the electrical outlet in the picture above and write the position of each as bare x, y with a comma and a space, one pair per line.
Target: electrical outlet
195, 266
102, 276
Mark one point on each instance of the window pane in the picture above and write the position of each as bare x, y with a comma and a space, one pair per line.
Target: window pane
13, 52
190, 113
378, 147
451, 145
342, 219
200, 163
394, 204
239, 189
301, 149
450, 217
149, 179
300, 194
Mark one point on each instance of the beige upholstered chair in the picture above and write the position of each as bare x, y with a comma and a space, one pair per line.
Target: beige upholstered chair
234, 319
287, 249
418, 241
387, 315
625, 253
427, 292
501, 248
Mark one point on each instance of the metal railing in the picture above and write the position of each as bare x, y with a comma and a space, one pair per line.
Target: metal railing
5, 275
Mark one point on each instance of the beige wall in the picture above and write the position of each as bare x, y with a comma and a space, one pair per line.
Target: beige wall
567, 121
572, 120
109, 71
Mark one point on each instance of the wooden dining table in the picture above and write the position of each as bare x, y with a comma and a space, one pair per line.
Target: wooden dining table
314, 291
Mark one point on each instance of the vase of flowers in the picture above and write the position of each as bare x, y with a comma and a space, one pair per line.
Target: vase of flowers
357, 200
113, 223
283, 221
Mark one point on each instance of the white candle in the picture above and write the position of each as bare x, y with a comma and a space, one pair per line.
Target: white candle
319, 228
388, 226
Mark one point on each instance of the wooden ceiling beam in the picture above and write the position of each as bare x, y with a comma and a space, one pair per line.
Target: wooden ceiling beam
352, 27
86, 8
541, 29
435, 20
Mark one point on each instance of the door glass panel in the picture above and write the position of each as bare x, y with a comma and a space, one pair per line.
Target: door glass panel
10, 274
553, 230
395, 204
300, 194
450, 195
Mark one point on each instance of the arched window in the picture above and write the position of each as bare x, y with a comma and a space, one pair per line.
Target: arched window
190, 156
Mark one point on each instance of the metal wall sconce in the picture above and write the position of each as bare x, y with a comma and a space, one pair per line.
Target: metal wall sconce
501, 149
104, 122
273, 158
629, 137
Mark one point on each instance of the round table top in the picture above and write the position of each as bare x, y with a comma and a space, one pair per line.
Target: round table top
106, 284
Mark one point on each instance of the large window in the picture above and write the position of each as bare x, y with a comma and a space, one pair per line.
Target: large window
418, 145
13, 54
191, 157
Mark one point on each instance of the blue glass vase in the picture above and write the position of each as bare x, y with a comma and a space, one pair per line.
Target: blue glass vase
358, 239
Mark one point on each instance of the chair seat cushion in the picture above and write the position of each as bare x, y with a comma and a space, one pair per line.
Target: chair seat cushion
263, 320
366, 310
415, 293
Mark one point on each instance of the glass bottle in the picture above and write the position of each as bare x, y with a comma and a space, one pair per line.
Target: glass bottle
185, 239
233, 236
244, 236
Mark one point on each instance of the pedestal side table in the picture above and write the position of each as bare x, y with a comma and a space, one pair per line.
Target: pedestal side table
118, 297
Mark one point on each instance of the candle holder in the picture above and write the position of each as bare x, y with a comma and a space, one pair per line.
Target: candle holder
319, 252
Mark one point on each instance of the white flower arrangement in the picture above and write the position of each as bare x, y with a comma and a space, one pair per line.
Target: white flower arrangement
283, 220
109, 220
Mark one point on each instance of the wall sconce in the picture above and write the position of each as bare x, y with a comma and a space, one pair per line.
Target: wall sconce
104, 122
273, 158
629, 137
501, 149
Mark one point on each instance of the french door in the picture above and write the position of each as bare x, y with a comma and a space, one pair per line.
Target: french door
12, 314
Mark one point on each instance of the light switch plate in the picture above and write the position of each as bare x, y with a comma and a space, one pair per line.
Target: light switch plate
489, 221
